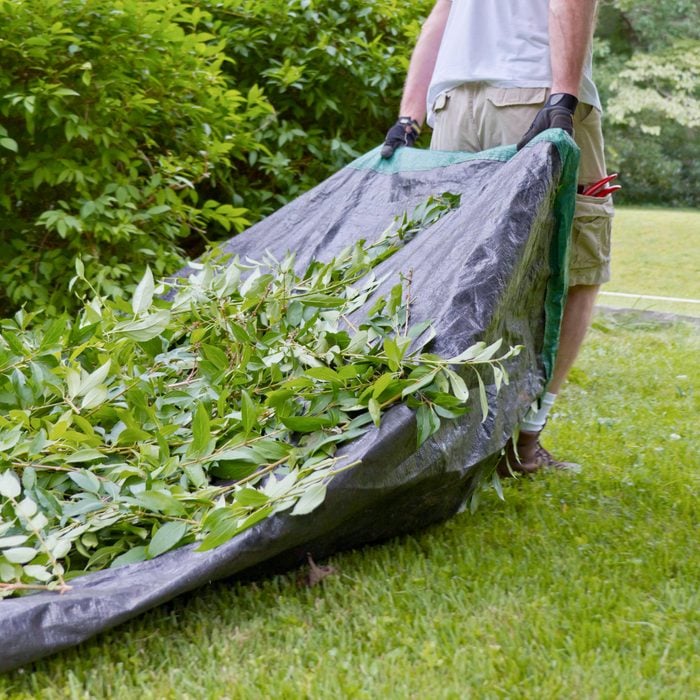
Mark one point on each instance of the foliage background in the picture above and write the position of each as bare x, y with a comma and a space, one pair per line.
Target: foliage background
647, 66
134, 133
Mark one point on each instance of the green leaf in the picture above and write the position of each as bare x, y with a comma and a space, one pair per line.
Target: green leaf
251, 497
19, 555
143, 294
160, 503
274, 488
237, 454
324, 373
240, 333
26, 508
86, 455
7, 571
132, 435
254, 518
449, 413
323, 301
155, 211
312, 497
85, 480
82, 334
417, 330
222, 532
10, 486
249, 412
483, 399
196, 475
13, 541
146, 328
66, 91
358, 343
427, 422
307, 424
499, 377
9, 144
375, 411
394, 355
37, 572
14, 341
295, 313
10, 438
135, 554
469, 354
416, 386
497, 486
233, 470
381, 384
216, 356
459, 386
201, 431
272, 450
488, 352
94, 398
54, 333
167, 536
85, 504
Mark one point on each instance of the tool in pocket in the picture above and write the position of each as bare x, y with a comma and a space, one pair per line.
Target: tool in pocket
599, 189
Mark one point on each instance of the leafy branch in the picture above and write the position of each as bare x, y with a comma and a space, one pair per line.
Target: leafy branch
200, 407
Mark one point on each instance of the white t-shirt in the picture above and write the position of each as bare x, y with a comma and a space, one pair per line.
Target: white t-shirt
500, 42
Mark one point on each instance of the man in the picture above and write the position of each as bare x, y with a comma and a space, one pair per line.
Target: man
496, 72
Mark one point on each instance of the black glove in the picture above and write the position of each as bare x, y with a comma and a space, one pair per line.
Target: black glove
557, 113
403, 133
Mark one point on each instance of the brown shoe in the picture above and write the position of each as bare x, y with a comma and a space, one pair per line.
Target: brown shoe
529, 457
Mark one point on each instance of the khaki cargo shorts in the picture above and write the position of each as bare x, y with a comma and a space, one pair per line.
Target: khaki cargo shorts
477, 116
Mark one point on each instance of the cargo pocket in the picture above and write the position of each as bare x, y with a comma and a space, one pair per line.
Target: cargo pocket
590, 240
507, 114
514, 96
447, 122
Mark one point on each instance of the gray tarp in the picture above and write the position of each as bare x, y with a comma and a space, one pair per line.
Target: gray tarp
492, 268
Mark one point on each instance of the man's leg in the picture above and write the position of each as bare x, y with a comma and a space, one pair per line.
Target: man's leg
527, 455
577, 318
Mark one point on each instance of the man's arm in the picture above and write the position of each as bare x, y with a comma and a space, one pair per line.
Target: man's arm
420, 70
571, 24
422, 64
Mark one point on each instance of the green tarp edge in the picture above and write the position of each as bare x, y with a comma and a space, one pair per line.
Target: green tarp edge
563, 210
417, 159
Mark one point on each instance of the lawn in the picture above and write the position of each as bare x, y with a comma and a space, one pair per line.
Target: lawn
655, 252
575, 586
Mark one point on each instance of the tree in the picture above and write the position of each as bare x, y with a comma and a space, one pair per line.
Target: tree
648, 61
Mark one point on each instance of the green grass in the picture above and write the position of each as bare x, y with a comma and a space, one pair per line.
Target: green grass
576, 586
655, 252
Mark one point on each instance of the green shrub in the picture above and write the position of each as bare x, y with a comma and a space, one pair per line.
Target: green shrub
131, 132
118, 134
333, 72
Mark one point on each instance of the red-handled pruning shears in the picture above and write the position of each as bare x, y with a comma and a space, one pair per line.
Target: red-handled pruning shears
599, 189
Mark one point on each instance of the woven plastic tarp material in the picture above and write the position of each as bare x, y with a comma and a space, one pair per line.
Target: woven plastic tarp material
494, 267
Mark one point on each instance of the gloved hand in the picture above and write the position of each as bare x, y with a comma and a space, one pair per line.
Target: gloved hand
557, 113
403, 133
